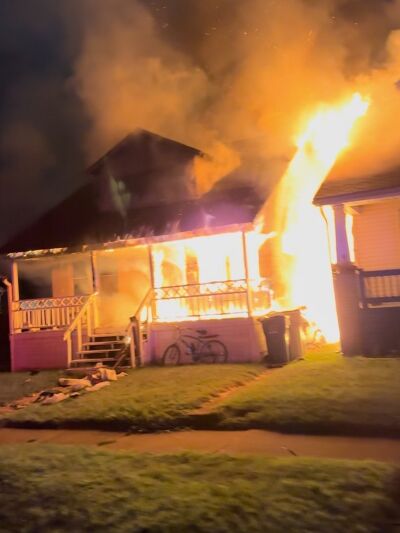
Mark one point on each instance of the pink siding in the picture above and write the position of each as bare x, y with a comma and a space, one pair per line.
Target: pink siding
376, 230
243, 338
38, 350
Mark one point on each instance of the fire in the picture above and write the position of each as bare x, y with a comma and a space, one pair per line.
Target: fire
301, 269
211, 276
219, 275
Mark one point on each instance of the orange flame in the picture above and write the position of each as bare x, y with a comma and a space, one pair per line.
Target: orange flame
301, 250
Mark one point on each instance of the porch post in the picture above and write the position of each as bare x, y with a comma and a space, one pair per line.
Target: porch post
347, 289
15, 282
9, 305
342, 243
151, 266
95, 272
246, 272
95, 287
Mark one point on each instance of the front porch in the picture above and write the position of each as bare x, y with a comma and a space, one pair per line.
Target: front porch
136, 291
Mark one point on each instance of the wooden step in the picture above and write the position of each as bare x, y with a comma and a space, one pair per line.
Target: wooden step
106, 338
105, 350
106, 344
93, 361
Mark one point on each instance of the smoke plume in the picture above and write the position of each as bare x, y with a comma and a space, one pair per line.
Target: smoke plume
235, 78
218, 76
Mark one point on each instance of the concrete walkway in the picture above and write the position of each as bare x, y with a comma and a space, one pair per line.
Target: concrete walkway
233, 442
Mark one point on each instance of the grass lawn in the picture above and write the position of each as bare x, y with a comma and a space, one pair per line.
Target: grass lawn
66, 488
14, 386
325, 393
148, 398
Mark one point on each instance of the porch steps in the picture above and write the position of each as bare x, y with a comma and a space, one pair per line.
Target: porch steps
105, 348
85, 361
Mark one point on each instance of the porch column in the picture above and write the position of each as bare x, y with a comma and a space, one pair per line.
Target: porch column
246, 271
15, 282
342, 243
95, 272
347, 289
95, 287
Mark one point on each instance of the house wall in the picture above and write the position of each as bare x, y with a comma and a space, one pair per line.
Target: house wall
38, 350
123, 281
243, 337
62, 275
62, 278
376, 230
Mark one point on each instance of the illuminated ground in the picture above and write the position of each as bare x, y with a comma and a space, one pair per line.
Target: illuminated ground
251, 441
60, 488
325, 393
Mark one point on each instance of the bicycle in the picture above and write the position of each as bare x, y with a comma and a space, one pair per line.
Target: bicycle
201, 347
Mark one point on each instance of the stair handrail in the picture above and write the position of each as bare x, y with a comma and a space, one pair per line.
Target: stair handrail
134, 329
88, 310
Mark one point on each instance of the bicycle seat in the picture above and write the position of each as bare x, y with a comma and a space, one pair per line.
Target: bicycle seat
201, 331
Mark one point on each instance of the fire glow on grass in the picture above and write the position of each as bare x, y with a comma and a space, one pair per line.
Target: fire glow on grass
300, 248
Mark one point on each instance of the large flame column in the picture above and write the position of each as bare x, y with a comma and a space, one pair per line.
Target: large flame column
298, 260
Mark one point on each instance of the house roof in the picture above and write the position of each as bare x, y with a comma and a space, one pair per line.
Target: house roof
336, 191
143, 187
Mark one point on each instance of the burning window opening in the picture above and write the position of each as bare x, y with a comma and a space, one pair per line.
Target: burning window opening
212, 276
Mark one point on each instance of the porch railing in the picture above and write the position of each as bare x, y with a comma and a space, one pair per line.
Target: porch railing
380, 287
218, 298
45, 313
81, 327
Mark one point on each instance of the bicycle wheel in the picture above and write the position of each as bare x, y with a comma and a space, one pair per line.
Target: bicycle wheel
218, 351
172, 355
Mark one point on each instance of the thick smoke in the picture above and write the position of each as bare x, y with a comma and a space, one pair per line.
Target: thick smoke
239, 78
235, 78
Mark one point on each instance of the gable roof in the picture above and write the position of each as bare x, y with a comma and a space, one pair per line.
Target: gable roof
336, 191
144, 186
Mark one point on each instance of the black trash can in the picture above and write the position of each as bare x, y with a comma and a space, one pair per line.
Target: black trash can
276, 335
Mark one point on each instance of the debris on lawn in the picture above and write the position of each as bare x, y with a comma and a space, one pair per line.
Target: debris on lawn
75, 384
55, 398
98, 386
95, 380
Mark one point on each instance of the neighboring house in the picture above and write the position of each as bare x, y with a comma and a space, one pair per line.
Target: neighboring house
365, 239
135, 250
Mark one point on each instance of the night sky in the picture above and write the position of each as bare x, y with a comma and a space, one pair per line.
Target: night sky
47, 120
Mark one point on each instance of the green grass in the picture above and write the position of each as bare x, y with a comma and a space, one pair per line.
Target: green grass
325, 393
66, 488
14, 386
149, 398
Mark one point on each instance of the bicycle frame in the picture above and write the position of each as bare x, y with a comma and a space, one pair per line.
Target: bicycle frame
192, 345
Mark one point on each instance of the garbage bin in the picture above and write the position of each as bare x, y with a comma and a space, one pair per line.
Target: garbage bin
276, 335
296, 350
283, 337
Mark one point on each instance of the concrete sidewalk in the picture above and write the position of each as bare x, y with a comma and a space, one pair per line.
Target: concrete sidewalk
232, 442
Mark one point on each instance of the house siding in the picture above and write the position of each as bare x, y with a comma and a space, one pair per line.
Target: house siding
124, 280
243, 338
38, 350
376, 230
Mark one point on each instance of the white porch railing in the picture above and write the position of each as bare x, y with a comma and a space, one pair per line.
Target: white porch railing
45, 313
219, 299
82, 326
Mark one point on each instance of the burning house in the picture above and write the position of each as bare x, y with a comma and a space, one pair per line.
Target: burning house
155, 255
157, 259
